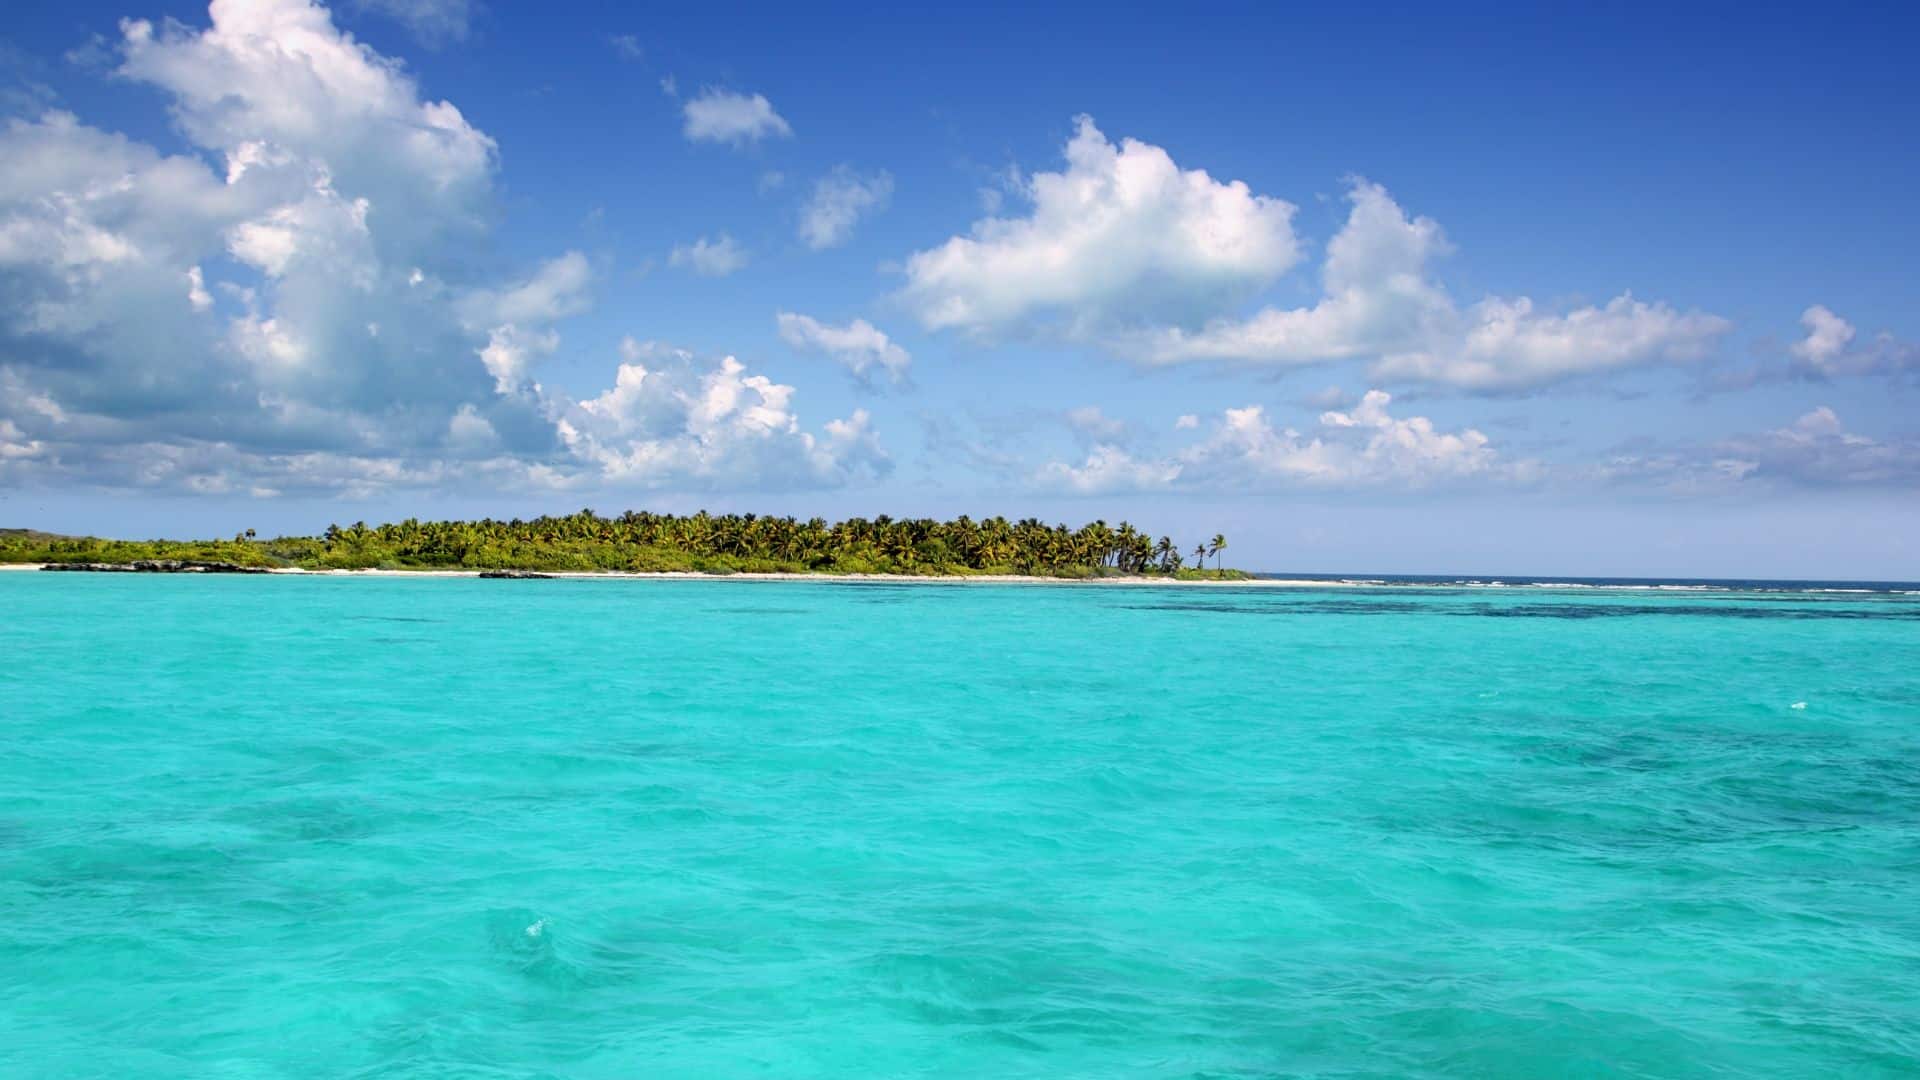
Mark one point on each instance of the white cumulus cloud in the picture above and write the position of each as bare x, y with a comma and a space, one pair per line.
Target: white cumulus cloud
293, 306
730, 117
1382, 304
1121, 233
670, 420
1828, 335
1243, 450
1831, 349
859, 346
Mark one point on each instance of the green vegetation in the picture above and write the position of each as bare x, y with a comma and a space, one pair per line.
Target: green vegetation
702, 542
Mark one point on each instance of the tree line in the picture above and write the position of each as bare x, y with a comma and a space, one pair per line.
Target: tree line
714, 543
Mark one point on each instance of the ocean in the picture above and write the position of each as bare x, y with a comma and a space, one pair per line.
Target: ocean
326, 827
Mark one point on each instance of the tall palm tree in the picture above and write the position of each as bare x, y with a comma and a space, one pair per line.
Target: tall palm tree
1218, 544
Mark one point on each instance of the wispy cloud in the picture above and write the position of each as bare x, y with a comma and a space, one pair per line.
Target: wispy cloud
838, 201
709, 258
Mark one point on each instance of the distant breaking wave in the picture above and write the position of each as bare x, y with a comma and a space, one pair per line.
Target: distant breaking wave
1696, 585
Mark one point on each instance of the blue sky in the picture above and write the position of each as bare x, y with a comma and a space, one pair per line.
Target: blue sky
1498, 290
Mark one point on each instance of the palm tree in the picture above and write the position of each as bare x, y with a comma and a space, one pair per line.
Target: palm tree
1218, 544
1200, 556
1168, 555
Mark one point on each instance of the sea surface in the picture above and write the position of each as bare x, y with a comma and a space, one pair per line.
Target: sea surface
328, 827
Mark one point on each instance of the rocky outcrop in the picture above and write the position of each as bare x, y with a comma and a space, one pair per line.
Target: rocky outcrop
157, 566
515, 574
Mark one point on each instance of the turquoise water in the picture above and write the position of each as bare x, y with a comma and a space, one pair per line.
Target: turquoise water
306, 827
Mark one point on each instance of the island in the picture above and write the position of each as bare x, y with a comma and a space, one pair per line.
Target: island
643, 542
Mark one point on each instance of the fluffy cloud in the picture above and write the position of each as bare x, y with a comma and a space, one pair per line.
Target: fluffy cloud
517, 320
709, 258
1828, 336
1507, 346
1121, 233
1127, 250
338, 181
839, 200
275, 86
555, 290
861, 347
668, 420
1244, 451
1377, 298
1370, 446
305, 316
1829, 349
1381, 303
729, 117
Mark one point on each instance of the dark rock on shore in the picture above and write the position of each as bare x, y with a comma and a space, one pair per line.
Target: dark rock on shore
514, 574
157, 566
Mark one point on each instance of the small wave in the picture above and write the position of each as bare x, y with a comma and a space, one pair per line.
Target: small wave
1730, 586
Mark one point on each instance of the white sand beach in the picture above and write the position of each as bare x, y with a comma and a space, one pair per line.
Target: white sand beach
909, 579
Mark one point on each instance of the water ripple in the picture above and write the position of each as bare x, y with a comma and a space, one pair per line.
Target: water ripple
676, 830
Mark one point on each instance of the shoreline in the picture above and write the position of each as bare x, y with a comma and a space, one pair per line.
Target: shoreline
695, 575
1698, 587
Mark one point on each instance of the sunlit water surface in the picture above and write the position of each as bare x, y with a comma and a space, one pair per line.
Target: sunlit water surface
312, 827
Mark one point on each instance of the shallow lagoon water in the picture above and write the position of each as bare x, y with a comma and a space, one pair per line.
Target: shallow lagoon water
305, 827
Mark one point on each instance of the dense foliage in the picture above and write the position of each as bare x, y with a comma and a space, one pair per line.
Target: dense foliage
640, 541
